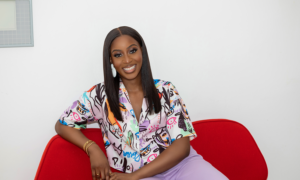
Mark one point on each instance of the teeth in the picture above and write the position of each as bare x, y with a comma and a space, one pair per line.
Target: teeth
128, 69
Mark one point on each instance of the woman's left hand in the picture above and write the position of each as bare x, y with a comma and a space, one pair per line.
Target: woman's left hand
123, 176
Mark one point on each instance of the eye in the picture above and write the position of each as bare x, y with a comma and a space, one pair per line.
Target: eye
133, 50
117, 55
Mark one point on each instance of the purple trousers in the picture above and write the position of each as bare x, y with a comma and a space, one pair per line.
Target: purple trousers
193, 167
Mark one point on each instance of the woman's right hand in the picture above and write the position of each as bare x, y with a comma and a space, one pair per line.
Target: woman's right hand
99, 163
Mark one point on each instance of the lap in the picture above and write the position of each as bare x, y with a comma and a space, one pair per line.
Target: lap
193, 168
199, 169
151, 178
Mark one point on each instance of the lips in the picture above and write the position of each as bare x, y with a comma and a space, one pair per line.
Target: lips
129, 69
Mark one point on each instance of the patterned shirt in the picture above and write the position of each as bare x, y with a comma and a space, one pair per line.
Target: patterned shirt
131, 144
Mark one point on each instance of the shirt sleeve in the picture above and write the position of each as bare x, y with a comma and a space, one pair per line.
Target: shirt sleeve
78, 114
178, 121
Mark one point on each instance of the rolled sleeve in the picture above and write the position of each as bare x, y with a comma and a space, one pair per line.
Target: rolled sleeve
178, 121
78, 114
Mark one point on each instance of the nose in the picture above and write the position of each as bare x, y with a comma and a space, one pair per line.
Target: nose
127, 59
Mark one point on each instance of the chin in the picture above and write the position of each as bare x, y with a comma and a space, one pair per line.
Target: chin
130, 76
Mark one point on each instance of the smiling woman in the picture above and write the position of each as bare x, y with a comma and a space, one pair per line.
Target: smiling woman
144, 121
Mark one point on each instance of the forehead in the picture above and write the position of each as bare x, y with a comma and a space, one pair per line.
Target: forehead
122, 42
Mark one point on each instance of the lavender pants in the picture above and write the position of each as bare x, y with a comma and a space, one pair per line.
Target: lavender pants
193, 167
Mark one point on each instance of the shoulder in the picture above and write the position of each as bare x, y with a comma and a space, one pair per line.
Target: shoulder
94, 87
159, 84
95, 94
95, 90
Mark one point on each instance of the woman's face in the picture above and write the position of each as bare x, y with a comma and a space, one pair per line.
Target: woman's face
126, 56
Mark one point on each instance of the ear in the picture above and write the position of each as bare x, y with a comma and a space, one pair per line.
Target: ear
110, 60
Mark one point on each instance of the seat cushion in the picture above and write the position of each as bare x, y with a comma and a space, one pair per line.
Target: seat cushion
230, 147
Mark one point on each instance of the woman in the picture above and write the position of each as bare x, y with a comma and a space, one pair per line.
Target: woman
144, 122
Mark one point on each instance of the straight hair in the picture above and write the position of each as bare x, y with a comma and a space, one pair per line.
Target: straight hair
112, 83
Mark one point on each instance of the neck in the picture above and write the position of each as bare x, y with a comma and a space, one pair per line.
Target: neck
133, 85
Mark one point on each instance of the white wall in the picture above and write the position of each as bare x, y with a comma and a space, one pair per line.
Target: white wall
229, 59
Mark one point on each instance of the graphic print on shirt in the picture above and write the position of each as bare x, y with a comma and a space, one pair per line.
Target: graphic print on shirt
131, 144
77, 114
162, 139
100, 94
181, 113
114, 126
168, 110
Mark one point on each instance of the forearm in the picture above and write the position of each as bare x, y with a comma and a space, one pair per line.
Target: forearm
170, 157
74, 136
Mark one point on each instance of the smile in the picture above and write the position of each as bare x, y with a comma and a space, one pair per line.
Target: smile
129, 69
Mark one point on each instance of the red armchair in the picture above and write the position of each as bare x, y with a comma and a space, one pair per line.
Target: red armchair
226, 144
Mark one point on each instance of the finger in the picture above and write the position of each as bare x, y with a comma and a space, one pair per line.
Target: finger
112, 176
94, 174
102, 174
97, 174
106, 174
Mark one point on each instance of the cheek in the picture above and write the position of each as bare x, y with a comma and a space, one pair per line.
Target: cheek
138, 57
139, 61
141, 58
118, 64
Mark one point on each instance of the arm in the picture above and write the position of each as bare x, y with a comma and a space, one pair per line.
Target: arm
99, 163
170, 157
72, 135
75, 117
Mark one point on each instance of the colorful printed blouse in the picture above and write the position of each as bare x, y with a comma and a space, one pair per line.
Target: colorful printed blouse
131, 144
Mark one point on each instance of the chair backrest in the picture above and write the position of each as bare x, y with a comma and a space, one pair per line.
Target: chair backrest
226, 144
230, 148
63, 160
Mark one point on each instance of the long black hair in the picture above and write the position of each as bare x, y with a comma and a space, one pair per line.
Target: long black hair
112, 83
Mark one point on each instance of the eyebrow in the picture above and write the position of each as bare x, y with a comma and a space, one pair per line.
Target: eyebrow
126, 48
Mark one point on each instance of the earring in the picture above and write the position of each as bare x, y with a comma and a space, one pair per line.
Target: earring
114, 72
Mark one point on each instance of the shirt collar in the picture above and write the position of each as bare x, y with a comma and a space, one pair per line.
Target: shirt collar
121, 83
